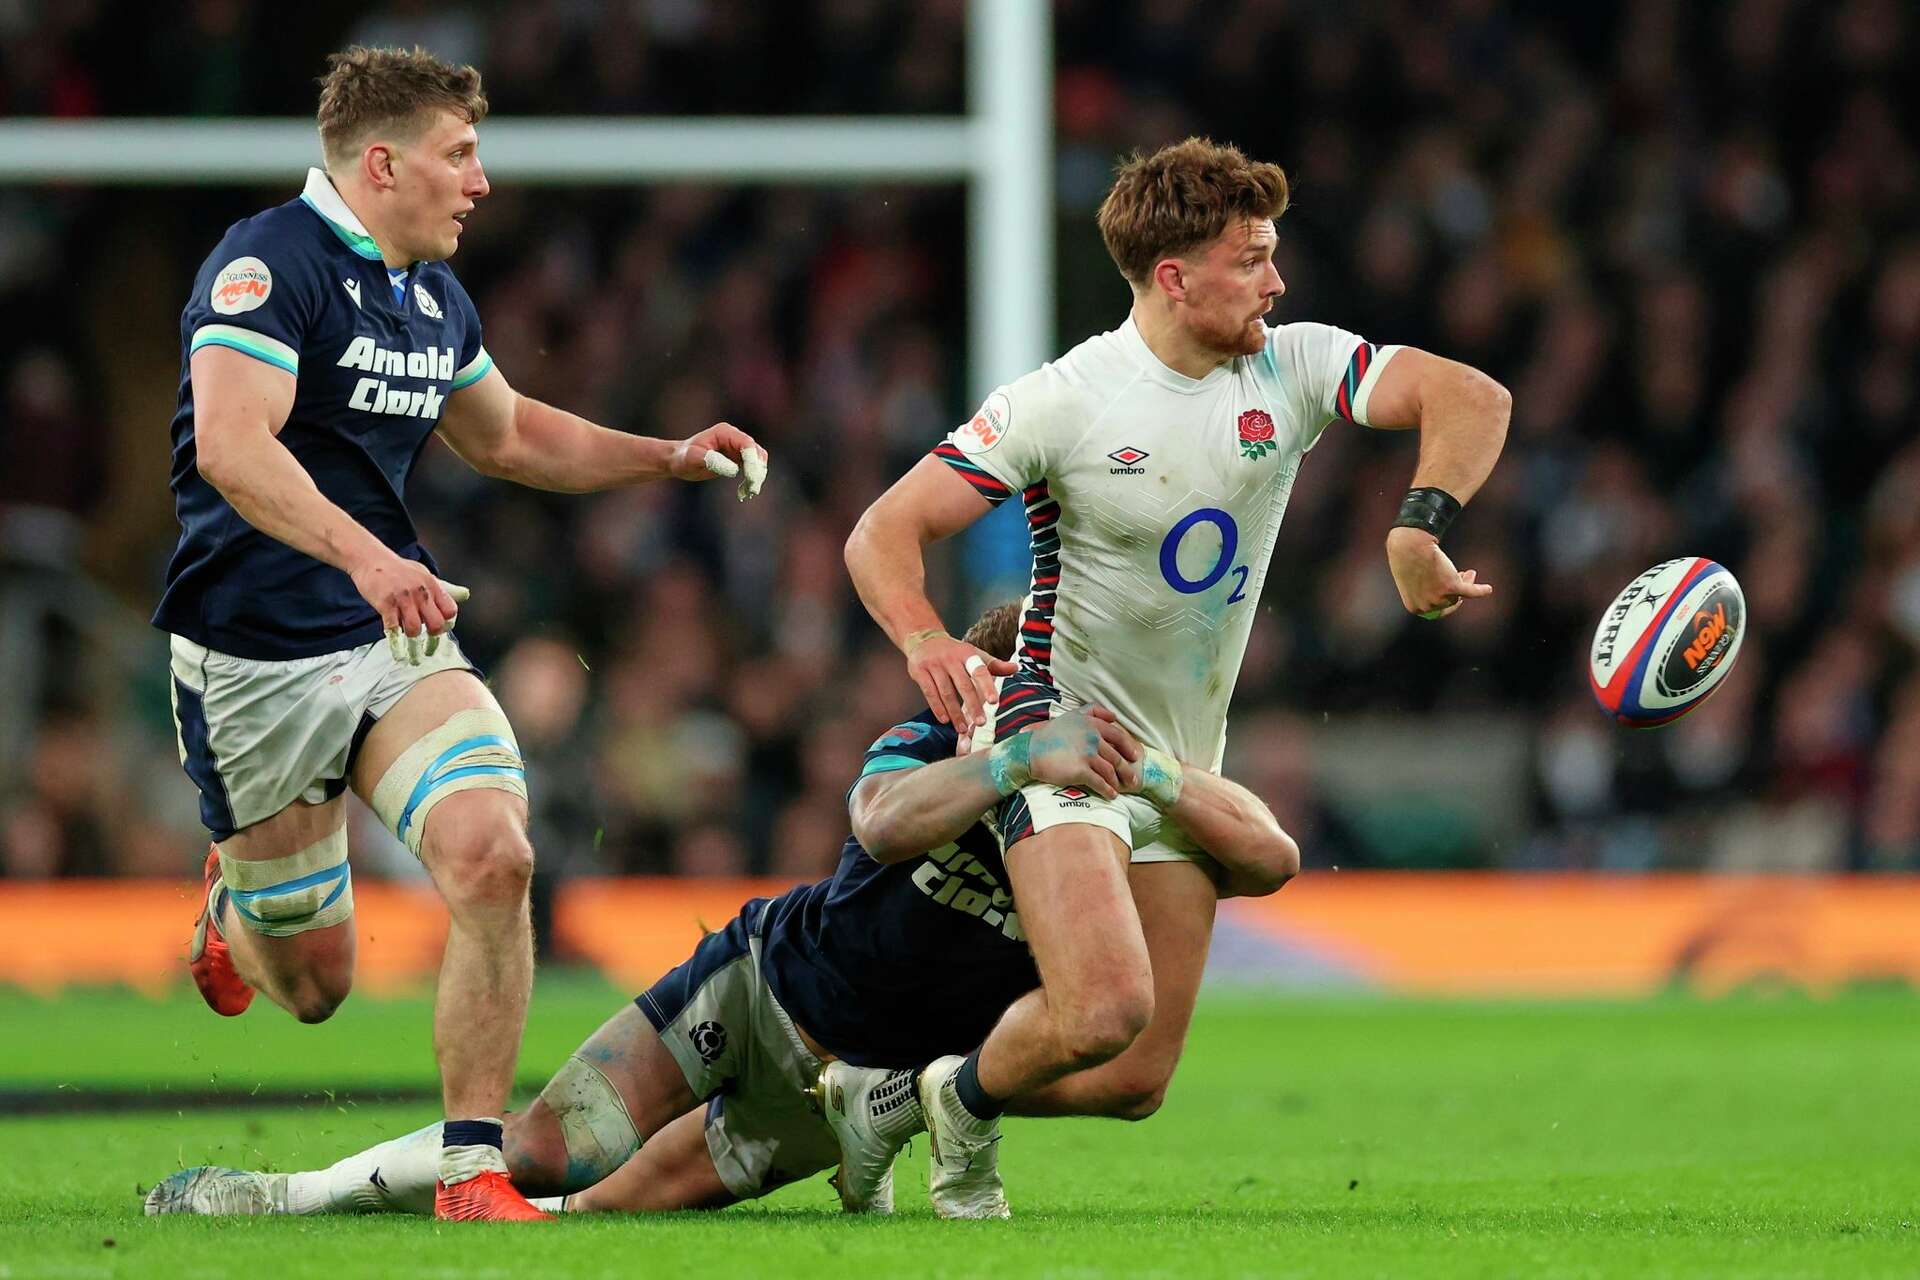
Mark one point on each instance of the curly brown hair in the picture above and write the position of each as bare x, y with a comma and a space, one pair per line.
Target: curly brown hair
1167, 204
366, 91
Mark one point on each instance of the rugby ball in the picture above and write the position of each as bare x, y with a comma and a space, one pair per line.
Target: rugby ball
1667, 641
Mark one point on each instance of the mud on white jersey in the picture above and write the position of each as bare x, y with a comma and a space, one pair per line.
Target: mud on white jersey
1153, 501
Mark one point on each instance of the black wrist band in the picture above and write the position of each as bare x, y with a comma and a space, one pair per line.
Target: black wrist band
1427, 508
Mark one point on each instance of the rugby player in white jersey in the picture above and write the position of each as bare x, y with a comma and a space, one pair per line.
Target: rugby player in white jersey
324, 341
1154, 462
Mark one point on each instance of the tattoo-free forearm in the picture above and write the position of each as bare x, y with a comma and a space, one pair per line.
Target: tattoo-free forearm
887, 561
1237, 830
564, 453
930, 806
1463, 426
262, 480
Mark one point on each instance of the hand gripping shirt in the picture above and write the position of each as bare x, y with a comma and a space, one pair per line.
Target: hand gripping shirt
1153, 501
302, 288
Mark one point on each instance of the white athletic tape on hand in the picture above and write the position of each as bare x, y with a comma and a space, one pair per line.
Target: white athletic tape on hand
756, 473
975, 664
410, 649
726, 468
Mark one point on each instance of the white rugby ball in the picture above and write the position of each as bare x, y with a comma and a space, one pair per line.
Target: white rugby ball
1667, 641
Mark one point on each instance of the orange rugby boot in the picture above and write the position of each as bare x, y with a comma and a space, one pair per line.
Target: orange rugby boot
211, 960
486, 1197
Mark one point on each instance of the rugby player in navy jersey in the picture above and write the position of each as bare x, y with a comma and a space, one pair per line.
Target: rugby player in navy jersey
705, 1090
324, 342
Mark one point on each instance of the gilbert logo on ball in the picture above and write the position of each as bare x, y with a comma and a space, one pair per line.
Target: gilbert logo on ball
1667, 641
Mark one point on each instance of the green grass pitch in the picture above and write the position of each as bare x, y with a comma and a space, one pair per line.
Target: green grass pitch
1335, 1137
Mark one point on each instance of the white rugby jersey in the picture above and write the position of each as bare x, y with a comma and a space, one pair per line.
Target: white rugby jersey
1153, 500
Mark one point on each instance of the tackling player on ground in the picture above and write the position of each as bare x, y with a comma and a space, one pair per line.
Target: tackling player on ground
910, 951
1154, 463
325, 340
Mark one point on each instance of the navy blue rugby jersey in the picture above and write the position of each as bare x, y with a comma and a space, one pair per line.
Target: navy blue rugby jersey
302, 288
893, 966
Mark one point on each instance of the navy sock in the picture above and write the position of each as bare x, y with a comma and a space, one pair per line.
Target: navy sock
471, 1133
978, 1102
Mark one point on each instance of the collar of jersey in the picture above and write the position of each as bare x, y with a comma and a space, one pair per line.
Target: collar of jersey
1157, 370
321, 197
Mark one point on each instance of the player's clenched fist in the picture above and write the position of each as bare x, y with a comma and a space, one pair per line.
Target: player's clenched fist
1428, 583
956, 677
721, 450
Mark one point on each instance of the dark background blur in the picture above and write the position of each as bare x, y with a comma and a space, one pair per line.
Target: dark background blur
1684, 235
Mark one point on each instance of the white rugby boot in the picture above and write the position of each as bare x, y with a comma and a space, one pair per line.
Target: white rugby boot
873, 1112
963, 1177
210, 1189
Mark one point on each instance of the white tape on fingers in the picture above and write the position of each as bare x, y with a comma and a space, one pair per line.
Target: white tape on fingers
460, 596
975, 664
755, 474
720, 464
395, 645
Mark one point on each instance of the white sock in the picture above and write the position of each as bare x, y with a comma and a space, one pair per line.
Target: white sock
461, 1163
552, 1204
395, 1177
896, 1107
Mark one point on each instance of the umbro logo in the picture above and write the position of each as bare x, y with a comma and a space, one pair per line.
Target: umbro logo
1129, 459
353, 290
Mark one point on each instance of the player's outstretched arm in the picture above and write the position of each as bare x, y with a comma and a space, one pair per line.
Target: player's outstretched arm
901, 815
1230, 824
239, 407
1462, 416
886, 555
499, 432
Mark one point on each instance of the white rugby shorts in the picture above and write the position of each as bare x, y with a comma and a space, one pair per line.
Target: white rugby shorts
1027, 700
738, 1049
254, 736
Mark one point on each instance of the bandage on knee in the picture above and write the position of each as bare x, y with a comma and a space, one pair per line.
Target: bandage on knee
279, 897
472, 750
594, 1124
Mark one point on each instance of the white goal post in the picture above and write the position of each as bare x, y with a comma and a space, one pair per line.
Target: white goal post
1001, 150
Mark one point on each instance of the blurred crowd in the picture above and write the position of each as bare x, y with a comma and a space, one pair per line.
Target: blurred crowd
1683, 234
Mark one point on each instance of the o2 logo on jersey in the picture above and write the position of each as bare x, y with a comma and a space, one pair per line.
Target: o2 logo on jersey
1229, 534
242, 285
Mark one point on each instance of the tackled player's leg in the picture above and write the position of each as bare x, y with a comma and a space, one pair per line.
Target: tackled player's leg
616, 1092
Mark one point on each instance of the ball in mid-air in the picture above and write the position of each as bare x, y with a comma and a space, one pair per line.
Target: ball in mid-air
1667, 641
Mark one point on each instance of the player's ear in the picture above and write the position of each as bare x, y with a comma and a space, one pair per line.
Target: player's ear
377, 163
1170, 274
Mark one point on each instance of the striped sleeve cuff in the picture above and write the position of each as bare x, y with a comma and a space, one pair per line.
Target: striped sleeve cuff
247, 342
889, 764
1363, 374
472, 371
982, 481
